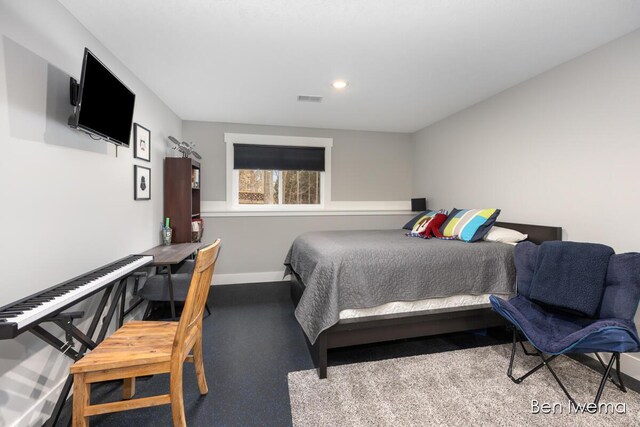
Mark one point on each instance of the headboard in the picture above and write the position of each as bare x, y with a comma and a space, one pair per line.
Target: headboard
537, 233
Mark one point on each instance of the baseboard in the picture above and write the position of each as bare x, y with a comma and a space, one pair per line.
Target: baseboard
630, 364
262, 276
39, 413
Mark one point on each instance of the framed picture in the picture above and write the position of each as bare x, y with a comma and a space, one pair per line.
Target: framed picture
142, 142
142, 183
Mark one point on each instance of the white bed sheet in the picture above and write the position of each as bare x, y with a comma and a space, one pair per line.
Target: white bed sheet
420, 305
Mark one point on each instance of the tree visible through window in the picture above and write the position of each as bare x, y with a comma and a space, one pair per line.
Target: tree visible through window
272, 187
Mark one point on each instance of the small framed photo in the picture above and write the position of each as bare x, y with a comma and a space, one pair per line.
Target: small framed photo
142, 183
142, 142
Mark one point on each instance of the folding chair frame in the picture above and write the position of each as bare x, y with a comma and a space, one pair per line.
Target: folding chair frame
547, 360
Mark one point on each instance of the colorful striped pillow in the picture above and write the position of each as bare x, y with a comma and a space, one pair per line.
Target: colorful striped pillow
469, 225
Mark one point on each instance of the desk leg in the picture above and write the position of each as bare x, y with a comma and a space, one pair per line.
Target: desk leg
172, 300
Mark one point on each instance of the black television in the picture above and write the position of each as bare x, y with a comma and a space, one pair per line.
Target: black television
103, 104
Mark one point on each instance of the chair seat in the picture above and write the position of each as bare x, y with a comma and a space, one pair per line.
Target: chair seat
136, 343
187, 267
156, 288
554, 333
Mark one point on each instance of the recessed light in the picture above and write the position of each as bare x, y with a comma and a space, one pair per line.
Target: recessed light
339, 84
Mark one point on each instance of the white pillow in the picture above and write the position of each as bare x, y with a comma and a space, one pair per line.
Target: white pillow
504, 235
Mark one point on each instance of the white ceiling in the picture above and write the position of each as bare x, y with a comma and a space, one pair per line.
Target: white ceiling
409, 62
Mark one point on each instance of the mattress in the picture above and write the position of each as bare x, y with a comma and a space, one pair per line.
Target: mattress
396, 307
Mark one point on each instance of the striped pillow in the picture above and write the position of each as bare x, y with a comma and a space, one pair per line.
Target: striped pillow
469, 225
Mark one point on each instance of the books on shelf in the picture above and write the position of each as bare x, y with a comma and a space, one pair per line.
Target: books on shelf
196, 230
195, 178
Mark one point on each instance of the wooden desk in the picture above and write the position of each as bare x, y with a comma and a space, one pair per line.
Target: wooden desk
166, 256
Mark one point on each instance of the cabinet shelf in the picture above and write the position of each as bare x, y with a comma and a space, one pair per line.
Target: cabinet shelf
181, 198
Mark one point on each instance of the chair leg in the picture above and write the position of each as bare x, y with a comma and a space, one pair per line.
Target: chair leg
81, 399
545, 362
621, 386
618, 384
526, 352
129, 388
176, 396
605, 377
198, 363
513, 355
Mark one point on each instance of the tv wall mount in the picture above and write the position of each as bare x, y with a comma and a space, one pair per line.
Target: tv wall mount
74, 91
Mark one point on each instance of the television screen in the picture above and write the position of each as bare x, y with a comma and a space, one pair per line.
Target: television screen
105, 104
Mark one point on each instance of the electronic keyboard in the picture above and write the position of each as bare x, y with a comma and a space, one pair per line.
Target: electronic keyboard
19, 316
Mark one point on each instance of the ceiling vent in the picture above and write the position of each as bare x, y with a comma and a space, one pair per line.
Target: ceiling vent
309, 98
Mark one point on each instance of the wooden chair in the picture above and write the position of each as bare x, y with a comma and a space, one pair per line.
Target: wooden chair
148, 348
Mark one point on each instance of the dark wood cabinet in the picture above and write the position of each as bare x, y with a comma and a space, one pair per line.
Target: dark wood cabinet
181, 195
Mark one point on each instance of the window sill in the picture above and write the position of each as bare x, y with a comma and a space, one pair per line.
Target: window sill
325, 212
220, 209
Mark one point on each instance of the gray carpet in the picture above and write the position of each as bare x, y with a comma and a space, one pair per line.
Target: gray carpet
458, 388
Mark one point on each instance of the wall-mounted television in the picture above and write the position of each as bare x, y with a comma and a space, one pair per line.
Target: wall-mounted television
104, 105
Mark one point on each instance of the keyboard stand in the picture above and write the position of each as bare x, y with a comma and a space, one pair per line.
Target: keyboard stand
65, 322
116, 293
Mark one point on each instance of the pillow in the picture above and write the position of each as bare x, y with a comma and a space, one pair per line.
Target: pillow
504, 235
469, 225
428, 225
415, 219
412, 222
421, 224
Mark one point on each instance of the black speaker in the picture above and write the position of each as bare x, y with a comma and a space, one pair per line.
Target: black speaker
418, 205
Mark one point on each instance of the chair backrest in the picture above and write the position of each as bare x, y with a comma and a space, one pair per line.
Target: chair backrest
192, 313
621, 293
524, 257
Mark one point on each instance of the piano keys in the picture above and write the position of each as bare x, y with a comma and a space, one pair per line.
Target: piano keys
18, 316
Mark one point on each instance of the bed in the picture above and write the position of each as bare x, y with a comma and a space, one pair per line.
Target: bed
384, 302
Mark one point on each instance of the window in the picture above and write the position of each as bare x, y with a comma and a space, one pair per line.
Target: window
273, 187
277, 172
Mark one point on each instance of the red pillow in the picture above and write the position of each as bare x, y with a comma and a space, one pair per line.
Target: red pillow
432, 227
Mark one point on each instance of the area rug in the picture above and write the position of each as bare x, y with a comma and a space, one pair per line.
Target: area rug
459, 388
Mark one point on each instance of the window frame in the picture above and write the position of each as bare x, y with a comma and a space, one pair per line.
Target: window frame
233, 175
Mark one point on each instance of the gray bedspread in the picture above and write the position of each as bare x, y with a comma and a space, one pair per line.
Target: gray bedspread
362, 269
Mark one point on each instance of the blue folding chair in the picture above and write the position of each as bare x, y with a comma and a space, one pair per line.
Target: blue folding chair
555, 330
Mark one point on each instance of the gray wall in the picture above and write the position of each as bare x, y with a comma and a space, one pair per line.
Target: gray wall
560, 149
260, 244
67, 200
366, 166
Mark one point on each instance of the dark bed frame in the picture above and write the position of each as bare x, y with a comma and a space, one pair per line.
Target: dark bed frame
388, 327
